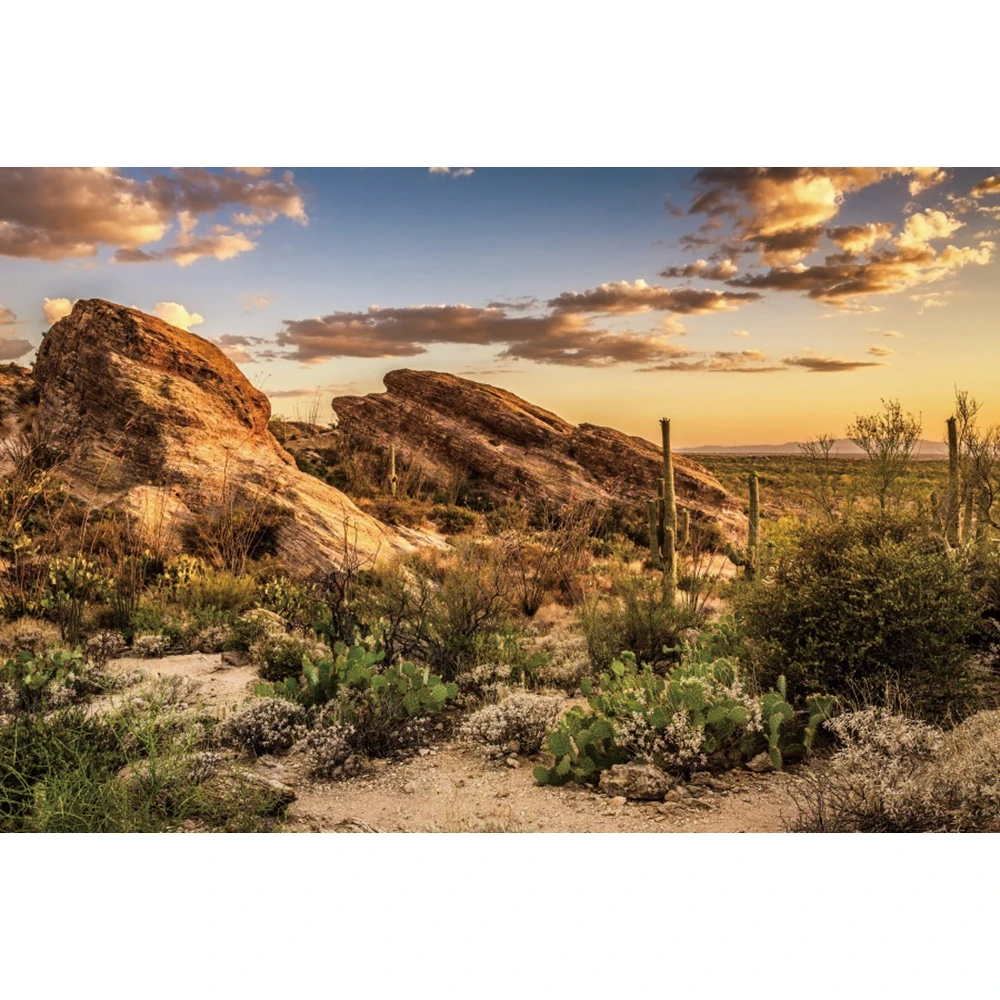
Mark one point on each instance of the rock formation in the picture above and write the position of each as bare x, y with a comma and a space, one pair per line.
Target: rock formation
510, 447
161, 422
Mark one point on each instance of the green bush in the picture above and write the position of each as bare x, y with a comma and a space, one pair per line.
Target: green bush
279, 656
870, 601
637, 618
699, 713
383, 705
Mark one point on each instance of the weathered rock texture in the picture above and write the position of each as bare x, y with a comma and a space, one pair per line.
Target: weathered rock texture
162, 422
511, 447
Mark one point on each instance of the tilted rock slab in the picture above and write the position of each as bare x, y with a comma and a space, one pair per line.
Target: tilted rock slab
514, 448
161, 422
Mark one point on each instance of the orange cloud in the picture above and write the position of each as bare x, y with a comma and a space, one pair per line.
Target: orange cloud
177, 315
624, 298
55, 309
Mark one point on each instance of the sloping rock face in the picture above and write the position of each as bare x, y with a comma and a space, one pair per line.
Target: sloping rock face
162, 422
511, 447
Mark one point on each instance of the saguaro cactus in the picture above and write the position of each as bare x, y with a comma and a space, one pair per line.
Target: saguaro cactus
667, 534
747, 557
392, 470
951, 524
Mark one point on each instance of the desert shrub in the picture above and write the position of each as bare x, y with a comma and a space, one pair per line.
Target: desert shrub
212, 639
45, 679
292, 600
699, 714
151, 645
264, 725
895, 774
73, 583
387, 706
241, 528
873, 598
438, 608
501, 665
105, 646
32, 634
523, 719
330, 751
636, 618
452, 520
254, 626
278, 656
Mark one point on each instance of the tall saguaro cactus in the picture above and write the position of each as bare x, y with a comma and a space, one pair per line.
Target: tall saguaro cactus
667, 534
748, 557
392, 470
951, 525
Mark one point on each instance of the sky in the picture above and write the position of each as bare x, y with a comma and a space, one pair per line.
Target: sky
749, 305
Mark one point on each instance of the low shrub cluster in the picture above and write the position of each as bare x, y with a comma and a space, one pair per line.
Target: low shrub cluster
700, 714
520, 719
896, 774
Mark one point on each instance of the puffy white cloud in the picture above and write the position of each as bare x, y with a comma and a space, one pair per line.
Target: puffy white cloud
177, 315
55, 309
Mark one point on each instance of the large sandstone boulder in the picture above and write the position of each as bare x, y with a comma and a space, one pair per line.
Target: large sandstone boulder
161, 422
512, 448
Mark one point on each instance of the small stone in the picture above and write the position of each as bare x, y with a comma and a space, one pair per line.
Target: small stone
513, 747
459, 782
503, 793
700, 778
235, 658
439, 728
513, 762
760, 764
619, 801
640, 782
409, 788
423, 751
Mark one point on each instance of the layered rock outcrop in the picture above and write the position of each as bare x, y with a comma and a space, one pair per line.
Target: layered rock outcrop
511, 447
160, 421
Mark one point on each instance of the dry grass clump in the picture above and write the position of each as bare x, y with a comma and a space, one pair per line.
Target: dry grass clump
29, 634
265, 725
150, 646
895, 774
523, 719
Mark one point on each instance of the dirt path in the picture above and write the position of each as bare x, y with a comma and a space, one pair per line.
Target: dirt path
453, 787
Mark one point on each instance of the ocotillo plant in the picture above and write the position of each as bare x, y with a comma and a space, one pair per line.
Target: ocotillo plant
666, 536
747, 557
392, 470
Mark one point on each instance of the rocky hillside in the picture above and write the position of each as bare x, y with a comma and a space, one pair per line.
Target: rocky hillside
159, 421
510, 447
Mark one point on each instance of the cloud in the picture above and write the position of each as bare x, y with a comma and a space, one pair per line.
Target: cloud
923, 227
8, 317
879, 352
930, 300
815, 364
254, 302
860, 239
565, 338
452, 171
221, 243
54, 213
239, 355
885, 272
176, 315
624, 298
718, 271
721, 361
522, 302
11, 349
55, 309
741, 333
235, 340
890, 333
989, 185
925, 178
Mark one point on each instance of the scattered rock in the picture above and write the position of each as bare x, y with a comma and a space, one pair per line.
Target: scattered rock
423, 751
513, 747
349, 825
619, 801
409, 788
760, 764
513, 762
641, 782
235, 658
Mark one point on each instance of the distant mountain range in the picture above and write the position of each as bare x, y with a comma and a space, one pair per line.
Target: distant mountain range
842, 448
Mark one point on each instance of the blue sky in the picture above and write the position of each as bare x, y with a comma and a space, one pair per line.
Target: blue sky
257, 257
